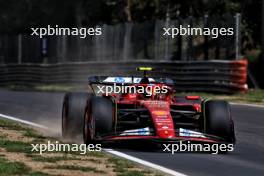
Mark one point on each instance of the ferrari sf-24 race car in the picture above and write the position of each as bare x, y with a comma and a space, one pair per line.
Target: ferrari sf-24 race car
160, 116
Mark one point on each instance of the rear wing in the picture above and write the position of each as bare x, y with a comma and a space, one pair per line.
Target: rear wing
126, 80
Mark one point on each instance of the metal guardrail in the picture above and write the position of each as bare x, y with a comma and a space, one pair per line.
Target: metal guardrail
209, 76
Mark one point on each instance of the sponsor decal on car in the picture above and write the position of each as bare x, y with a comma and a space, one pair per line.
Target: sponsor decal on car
142, 131
119, 80
190, 133
160, 113
124, 80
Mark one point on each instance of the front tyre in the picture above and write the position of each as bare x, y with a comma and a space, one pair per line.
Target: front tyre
217, 120
98, 119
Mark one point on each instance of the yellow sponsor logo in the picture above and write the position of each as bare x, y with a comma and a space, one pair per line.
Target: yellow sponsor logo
144, 69
160, 113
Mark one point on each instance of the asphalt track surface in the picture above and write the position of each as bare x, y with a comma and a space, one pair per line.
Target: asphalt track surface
247, 159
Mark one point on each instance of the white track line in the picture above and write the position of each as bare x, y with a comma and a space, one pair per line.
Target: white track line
145, 163
23, 121
245, 104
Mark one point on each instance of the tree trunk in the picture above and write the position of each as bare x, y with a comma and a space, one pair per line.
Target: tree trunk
262, 30
262, 44
128, 11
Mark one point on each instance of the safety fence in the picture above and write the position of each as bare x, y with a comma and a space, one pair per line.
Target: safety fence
209, 76
129, 41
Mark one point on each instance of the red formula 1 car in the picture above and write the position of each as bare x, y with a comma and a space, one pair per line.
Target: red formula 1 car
144, 108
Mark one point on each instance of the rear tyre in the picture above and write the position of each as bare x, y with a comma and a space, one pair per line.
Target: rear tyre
98, 119
217, 120
72, 113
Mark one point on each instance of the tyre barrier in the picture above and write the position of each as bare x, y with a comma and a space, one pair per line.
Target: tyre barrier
221, 76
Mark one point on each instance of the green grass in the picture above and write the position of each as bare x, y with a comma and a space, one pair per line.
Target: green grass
48, 87
38, 174
38, 141
96, 154
131, 173
125, 167
15, 146
89, 153
16, 168
3, 136
93, 160
54, 159
12, 168
78, 168
60, 87
121, 165
11, 125
26, 131
33, 134
252, 96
